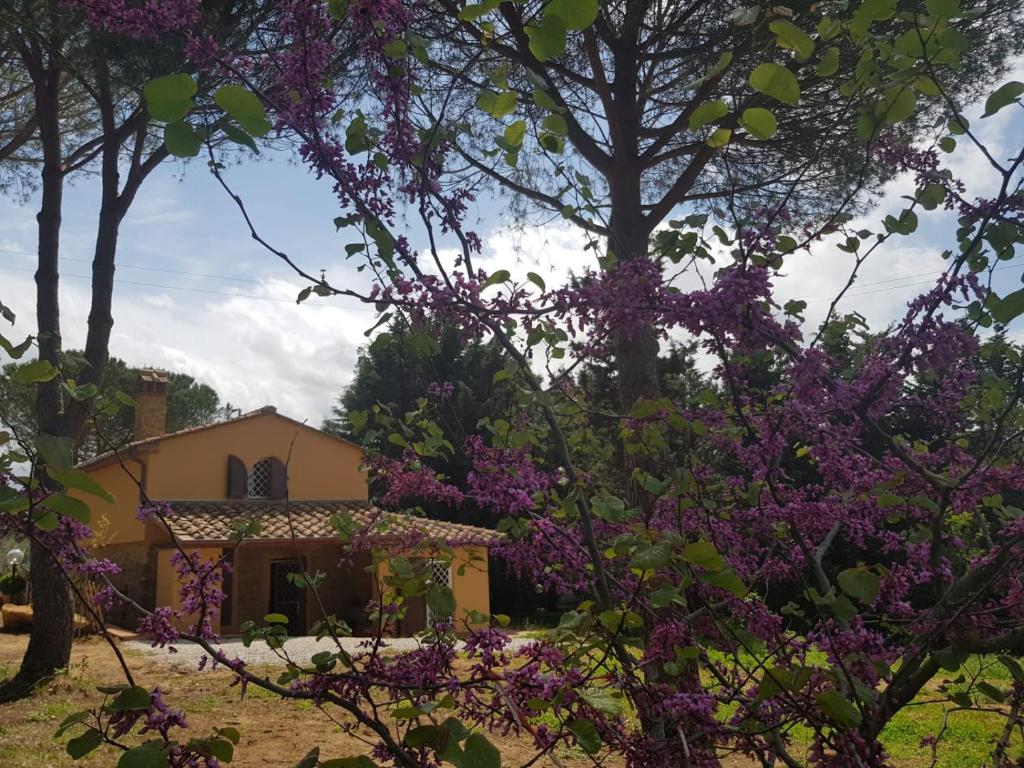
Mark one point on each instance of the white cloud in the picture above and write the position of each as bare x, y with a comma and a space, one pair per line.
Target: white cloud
255, 348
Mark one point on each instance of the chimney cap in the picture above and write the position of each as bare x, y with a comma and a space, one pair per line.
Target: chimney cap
155, 375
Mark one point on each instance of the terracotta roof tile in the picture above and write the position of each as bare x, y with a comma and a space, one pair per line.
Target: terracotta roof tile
213, 521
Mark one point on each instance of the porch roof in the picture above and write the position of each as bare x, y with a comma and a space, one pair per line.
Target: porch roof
216, 521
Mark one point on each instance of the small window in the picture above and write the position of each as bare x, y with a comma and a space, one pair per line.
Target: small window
259, 480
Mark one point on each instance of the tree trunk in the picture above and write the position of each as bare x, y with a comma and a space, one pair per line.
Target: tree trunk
636, 363
636, 351
49, 647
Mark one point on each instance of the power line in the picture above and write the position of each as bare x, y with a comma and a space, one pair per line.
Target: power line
367, 309
145, 268
903, 285
166, 270
118, 281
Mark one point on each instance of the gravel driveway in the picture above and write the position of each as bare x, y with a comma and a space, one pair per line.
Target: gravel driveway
299, 649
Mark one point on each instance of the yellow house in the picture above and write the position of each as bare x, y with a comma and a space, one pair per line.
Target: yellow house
301, 486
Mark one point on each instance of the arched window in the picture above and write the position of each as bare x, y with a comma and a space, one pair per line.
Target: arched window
259, 480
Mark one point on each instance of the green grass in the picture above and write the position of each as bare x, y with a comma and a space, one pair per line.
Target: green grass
968, 736
53, 711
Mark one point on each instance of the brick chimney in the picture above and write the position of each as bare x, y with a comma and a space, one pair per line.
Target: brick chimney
151, 404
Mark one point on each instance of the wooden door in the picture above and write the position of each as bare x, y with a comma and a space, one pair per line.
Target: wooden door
285, 597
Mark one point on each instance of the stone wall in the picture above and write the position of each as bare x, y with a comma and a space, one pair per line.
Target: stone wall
344, 592
137, 580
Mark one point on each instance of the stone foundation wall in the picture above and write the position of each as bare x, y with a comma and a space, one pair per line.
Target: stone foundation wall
137, 579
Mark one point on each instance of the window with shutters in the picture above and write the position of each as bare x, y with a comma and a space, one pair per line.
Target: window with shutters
259, 480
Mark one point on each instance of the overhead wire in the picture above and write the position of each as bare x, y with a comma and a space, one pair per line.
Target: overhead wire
1015, 263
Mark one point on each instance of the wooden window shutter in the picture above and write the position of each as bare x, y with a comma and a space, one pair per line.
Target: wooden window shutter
278, 478
238, 478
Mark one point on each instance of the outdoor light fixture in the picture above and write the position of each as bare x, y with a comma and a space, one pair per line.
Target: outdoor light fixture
15, 557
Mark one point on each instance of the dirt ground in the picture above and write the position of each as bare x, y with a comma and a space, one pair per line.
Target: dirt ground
273, 733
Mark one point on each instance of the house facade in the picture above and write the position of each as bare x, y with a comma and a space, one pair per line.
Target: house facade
300, 493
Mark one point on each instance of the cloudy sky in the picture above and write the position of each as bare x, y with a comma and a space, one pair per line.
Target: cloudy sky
195, 294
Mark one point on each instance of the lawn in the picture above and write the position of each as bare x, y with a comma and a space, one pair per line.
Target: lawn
273, 732
271, 736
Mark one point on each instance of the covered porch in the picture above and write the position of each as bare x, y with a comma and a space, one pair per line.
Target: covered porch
313, 537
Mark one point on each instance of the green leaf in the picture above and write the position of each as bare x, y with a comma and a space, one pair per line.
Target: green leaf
555, 123
779, 679
873, 10
943, 9
36, 372
514, 133
130, 699
720, 138
181, 140
239, 136
727, 580
70, 721
337, 9
906, 224
651, 557
548, 40
275, 618
838, 709
703, 554
1013, 667
1006, 94
83, 744
927, 86
497, 105
953, 38
222, 749
245, 108
54, 451
759, 122
575, 14
69, 507
14, 350
603, 701
829, 63
496, 278
169, 98
440, 600
480, 753
708, 112
776, 81
47, 521
990, 691
899, 104
474, 12
860, 583
537, 280
793, 38
586, 734
310, 760
958, 125
543, 100
931, 195
79, 480
1008, 308
395, 49
153, 754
